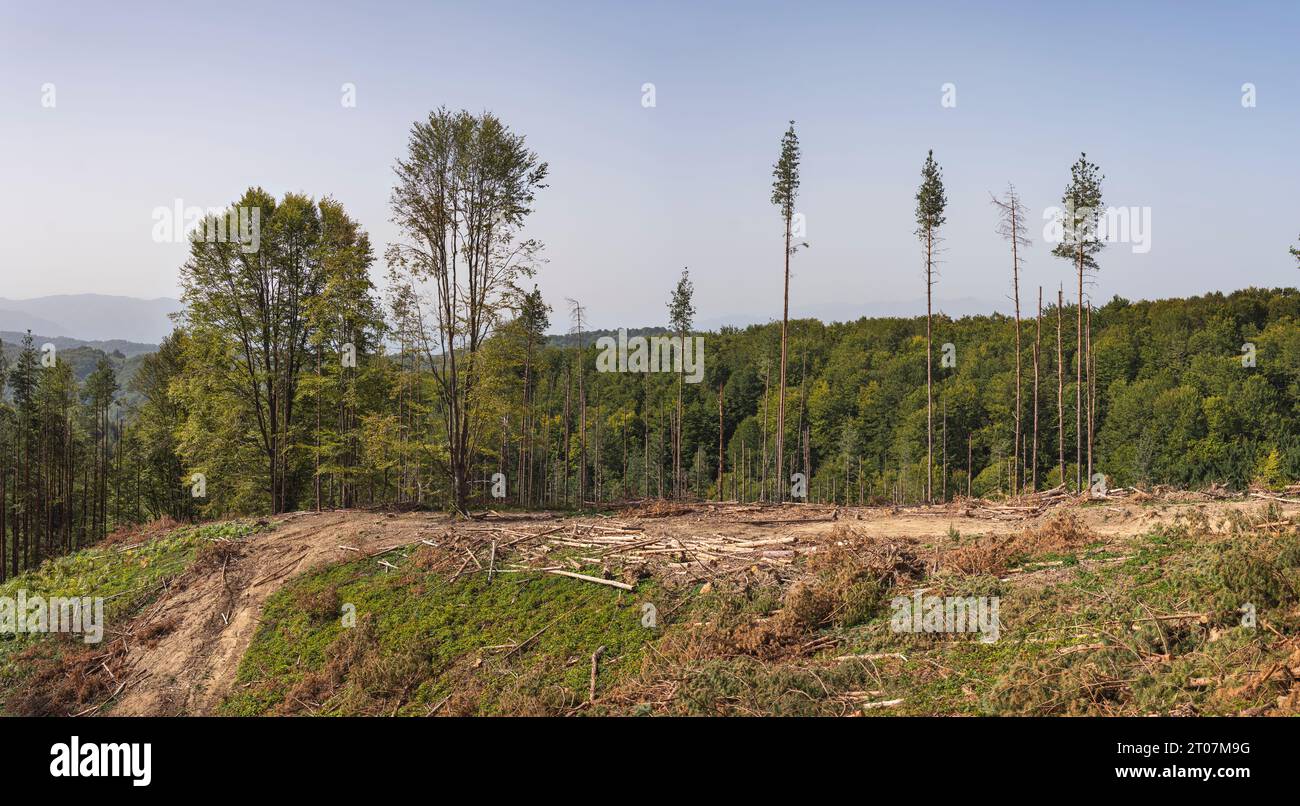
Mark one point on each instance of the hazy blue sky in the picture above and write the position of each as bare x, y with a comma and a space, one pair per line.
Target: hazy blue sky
156, 102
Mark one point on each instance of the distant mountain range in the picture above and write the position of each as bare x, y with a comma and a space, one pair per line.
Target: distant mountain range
83, 356
13, 341
90, 317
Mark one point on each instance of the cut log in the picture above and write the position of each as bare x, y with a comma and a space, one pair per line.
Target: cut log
612, 583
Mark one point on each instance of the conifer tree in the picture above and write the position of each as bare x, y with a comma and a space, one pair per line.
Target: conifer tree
1080, 245
930, 204
785, 190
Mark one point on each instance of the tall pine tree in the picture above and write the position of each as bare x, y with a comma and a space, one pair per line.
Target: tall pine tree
930, 204
785, 190
1080, 243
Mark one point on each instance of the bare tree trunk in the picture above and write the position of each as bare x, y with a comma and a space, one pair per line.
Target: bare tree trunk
1078, 382
659, 451
720, 432
678, 480
969, 468
1092, 389
564, 452
780, 405
596, 471
1038, 335
1060, 384
744, 470
1015, 285
523, 456
929, 370
766, 376
645, 416
848, 470
582, 431
807, 454
944, 494
316, 474
803, 428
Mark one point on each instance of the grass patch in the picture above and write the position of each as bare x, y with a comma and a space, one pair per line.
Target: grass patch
423, 643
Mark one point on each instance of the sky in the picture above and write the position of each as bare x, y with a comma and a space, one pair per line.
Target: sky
111, 110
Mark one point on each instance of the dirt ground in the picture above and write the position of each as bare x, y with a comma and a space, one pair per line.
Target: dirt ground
199, 630
208, 617
1118, 519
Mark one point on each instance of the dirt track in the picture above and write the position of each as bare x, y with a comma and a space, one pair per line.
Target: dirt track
205, 622
208, 617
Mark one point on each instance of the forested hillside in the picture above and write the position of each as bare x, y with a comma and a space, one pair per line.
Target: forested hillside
291, 382
1174, 405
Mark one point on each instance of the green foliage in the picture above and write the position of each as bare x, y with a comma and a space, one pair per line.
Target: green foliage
931, 199
317, 396
150, 451
681, 310
534, 316
419, 636
1261, 572
1268, 471
256, 323
1078, 221
463, 191
785, 174
1054, 670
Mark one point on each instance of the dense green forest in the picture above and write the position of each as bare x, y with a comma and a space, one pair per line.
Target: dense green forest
291, 382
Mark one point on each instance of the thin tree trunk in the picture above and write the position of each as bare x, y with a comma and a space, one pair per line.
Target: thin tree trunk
807, 456
969, 465
1078, 382
720, 441
766, 377
1015, 285
659, 451
564, 453
1038, 335
780, 405
944, 495
1092, 390
645, 417
929, 370
1060, 385
316, 474
678, 482
582, 429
